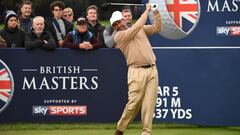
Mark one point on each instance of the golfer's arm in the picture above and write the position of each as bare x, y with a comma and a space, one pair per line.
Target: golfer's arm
156, 27
131, 32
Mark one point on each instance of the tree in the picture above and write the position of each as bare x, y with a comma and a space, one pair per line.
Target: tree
41, 7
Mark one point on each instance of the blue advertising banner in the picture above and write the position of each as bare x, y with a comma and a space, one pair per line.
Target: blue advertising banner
85, 86
197, 86
197, 23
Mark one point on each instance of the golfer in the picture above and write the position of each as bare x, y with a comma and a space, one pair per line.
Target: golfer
142, 70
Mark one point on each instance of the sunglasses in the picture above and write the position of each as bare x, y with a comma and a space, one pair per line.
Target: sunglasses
67, 15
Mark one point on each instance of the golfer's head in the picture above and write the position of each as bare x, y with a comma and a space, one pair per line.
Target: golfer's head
117, 21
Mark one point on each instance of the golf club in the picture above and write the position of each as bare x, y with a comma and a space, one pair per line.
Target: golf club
153, 5
121, 4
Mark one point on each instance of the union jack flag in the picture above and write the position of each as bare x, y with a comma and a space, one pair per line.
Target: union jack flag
184, 13
5, 86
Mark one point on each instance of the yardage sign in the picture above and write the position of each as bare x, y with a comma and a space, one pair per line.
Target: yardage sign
6, 86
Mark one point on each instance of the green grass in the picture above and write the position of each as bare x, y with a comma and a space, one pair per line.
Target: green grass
1, 26
108, 129
105, 23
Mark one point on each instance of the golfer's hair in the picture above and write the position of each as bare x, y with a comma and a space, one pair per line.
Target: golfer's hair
92, 7
126, 10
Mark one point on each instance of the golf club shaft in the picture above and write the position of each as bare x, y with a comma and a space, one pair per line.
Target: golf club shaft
123, 4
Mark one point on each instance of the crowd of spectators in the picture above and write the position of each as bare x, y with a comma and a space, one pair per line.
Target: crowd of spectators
24, 30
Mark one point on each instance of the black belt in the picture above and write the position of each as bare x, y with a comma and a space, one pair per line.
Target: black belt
146, 66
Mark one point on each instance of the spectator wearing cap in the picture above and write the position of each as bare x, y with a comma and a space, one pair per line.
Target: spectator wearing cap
68, 14
25, 15
38, 37
93, 24
81, 37
57, 25
13, 36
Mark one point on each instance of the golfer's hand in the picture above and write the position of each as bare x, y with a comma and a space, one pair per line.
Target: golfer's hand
156, 12
148, 7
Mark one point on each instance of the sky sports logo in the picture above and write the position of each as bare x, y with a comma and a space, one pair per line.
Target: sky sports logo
59, 110
228, 31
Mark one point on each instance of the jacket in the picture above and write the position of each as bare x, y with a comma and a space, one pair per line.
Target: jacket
108, 35
97, 32
50, 27
26, 24
74, 38
32, 41
13, 37
3, 43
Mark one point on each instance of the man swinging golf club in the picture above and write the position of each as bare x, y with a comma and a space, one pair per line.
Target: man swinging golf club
142, 70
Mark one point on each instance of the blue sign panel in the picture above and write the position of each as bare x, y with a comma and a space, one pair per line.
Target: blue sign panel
197, 86
82, 86
217, 23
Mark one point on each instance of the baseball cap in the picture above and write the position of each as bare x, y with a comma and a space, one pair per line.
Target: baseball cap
116, 16
81, 21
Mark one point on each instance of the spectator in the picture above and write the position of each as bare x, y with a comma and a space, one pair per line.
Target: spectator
3, 43
81, 38
127, 15
13, 36
108, 35
58, 26
38, 38
109, 32
68, 14
25, 16
93, 24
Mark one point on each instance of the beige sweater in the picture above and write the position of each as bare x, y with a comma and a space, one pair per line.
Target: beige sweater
134, 42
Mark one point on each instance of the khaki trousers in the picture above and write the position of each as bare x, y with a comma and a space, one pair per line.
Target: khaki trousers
142, 93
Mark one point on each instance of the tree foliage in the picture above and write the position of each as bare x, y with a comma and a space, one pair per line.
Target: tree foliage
41, 7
